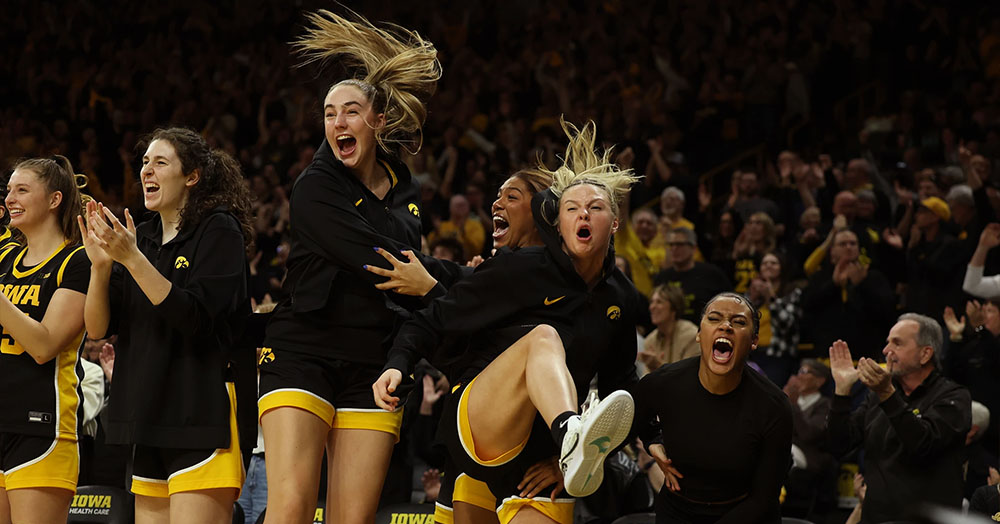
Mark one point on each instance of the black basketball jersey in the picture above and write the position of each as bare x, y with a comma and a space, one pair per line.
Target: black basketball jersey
41, 399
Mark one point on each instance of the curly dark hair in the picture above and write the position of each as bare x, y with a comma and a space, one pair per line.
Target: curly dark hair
220, 183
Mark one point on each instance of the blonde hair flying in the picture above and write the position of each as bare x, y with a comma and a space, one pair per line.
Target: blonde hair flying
394, 67
583, 165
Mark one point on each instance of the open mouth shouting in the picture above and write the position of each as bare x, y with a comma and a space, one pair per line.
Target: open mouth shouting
722, 350
150, 187
346, 145
583, 233
500, 226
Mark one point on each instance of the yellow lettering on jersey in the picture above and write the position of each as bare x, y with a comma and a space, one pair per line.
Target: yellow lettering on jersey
32, 295
318, 517
15, 293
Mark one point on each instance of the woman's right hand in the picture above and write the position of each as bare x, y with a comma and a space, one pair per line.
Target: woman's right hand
385, 386
670, 473
406, 278
99, 258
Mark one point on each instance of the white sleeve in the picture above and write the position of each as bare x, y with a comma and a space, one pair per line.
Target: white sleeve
977, 285
93, 395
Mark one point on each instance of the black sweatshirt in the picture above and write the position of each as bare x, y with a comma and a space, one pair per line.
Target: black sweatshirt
334, 309
511, 293
913, 445
726, 446
172, 360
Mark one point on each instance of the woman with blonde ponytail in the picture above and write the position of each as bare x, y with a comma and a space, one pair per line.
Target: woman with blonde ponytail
327, 343
41, 317
541, 322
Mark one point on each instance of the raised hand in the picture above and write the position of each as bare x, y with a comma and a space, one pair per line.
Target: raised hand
118, 240
842, 368
974, 310
990, 237
94, 246
875, 378
955, 327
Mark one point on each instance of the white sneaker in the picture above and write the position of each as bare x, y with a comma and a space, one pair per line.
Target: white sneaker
601, 427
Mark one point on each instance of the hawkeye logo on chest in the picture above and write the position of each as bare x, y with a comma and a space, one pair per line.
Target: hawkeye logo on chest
614, 312
414, 210
22, 293
181, 263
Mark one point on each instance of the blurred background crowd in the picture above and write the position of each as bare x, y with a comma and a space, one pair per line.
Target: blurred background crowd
835, 161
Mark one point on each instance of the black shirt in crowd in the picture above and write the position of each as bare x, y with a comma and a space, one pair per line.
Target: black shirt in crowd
699, 284
913, 445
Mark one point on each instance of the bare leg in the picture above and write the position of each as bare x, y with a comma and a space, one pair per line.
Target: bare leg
294, 440
39, 505
207, 506
530, 376
4, 507
357, 462
471, 514
529, 515
152, 510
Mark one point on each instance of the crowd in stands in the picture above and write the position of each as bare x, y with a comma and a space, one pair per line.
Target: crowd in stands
834, 227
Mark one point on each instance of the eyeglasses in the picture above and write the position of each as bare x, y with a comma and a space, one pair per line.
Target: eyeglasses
806, 371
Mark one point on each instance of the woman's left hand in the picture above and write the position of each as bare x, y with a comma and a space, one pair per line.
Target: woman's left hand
118, 240
539, 476
405, 278
671, 475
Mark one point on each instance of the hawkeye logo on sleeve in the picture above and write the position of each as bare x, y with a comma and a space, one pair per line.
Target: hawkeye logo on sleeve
266, 355
614, 312
549, 302
414, 210
181, 263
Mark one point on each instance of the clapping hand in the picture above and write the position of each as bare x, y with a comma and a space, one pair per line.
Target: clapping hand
955, 326
842, 368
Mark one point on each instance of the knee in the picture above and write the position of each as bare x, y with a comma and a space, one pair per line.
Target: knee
289, 508
545, 338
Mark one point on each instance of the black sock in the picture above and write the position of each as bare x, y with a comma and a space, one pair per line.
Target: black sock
559, 427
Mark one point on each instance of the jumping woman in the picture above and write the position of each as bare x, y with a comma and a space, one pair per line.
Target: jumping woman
327, 343
544, 321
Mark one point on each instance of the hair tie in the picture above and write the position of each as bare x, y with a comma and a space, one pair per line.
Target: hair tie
81, 180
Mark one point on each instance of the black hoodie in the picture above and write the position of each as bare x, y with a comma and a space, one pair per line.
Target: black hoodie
512, 293
334, 309
172, 360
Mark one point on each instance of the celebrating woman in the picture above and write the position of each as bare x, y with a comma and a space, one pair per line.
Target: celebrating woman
41, 314
726, 429
327, 343
543, 320
174, 289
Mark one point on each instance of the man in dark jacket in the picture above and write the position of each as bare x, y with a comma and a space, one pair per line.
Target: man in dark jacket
912, 423
847, 300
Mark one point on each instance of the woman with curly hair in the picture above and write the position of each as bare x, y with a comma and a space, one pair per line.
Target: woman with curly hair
41, 316
327, 343
174, 290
